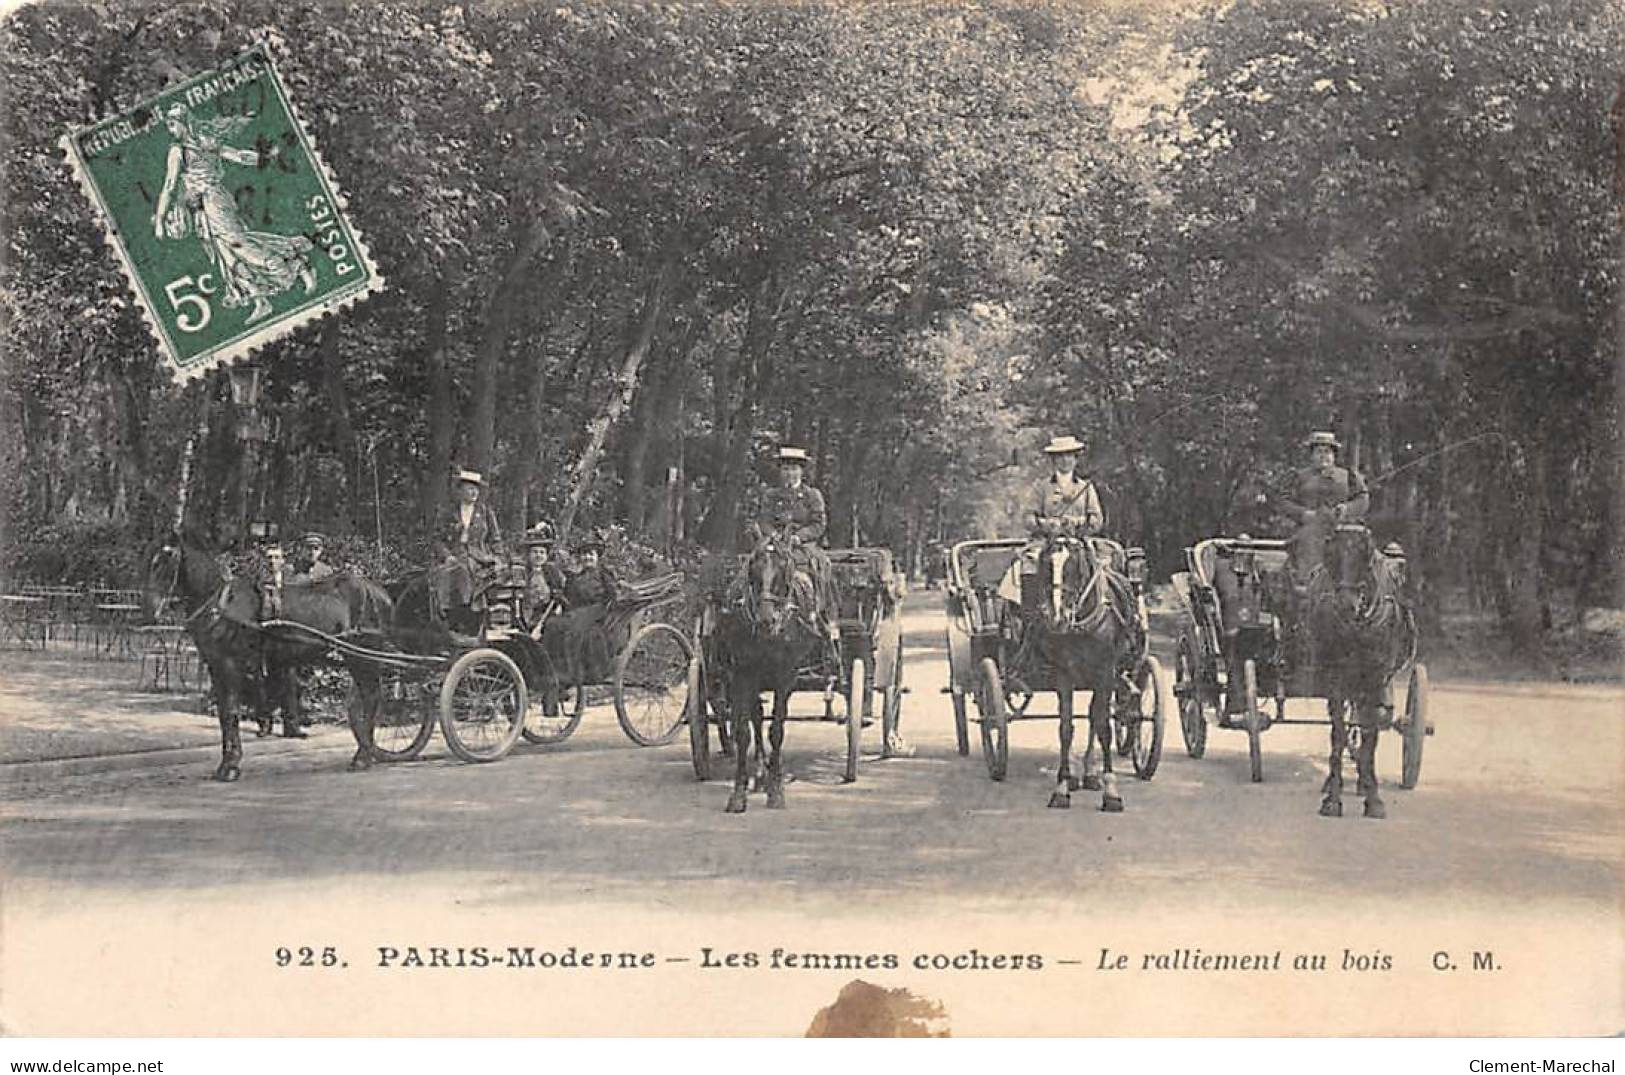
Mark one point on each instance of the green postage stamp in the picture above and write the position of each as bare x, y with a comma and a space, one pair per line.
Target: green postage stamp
229, 226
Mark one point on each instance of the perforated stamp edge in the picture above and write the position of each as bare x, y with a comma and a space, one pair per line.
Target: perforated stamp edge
244, 345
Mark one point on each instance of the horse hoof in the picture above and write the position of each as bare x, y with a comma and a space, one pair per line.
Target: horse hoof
1374, 808
736, 804
1331, 808
1111, 804
1060, 801
263, 730
775, 800
228, 774
1090, 783
1073, 783
360, 762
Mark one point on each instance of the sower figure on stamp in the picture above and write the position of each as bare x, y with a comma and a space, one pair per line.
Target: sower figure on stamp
468, 540
794, 512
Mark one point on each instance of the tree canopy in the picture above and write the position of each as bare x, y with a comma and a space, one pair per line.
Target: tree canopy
630, 246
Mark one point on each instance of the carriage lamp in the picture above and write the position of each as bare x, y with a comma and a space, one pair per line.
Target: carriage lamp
1135, 564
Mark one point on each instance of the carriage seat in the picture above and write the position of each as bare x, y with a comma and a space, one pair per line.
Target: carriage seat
1269, 554
862, 577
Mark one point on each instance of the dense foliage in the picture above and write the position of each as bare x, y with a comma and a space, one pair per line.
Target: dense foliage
630, 246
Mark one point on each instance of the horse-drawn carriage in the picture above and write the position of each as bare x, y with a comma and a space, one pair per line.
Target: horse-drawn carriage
857, 672
486, 690
518, 679
1353, 636
994, 656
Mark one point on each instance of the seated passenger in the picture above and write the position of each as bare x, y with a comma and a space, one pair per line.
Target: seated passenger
544, 583
592, 583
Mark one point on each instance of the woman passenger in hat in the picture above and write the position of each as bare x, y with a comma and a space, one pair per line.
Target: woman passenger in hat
544, 582
592, 583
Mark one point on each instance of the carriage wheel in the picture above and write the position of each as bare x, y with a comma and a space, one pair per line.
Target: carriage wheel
1416, 726
405, 718
1146, 725
699, 721
1252, 719
961, 724
857, 693
995, 722
482, 705
555, 714
651, 684
1192, 720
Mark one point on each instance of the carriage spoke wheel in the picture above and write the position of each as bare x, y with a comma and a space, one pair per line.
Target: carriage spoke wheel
1145, 720
482, 705
699, 720
651, 684
555, 707
1252, 720
405, 717
857, 695
995, 721
1192, 719
1416, 727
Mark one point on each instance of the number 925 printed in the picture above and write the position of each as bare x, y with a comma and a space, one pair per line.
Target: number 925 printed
309, 957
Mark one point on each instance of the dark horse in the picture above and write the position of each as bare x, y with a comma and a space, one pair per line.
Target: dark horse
765, 634
1086, 620
1364, 634
222, 616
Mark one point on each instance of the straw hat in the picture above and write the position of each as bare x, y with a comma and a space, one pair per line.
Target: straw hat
1063, 446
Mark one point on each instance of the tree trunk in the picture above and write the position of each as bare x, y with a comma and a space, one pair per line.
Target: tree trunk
505, 298
659, 412
432, 493
654, 304
720, 528
351, 505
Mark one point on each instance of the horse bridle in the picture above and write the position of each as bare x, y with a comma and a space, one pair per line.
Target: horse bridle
763, 596
1096, 581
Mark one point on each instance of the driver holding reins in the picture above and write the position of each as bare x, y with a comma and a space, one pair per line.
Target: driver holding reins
1063, 503
795, 511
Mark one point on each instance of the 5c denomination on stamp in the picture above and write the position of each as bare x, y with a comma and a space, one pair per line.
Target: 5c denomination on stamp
222, 214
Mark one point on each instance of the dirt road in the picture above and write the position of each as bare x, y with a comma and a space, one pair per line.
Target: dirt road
1511, 840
